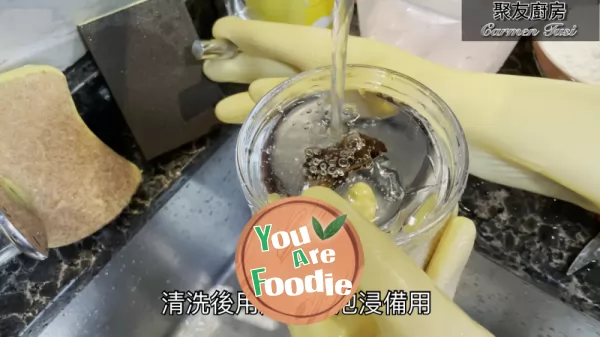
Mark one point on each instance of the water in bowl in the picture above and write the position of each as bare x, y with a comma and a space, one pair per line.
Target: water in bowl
406, 175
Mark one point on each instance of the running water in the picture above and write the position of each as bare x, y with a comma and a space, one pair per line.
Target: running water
405, 177
342, 18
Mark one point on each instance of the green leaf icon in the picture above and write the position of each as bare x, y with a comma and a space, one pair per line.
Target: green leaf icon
334, 227
318, 229
331, 229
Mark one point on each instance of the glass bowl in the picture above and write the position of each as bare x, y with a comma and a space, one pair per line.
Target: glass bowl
371, 87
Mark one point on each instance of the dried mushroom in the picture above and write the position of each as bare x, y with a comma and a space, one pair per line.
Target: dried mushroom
331, 166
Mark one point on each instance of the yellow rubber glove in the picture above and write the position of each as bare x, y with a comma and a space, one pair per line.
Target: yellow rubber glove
518, 131
387, 267
450, 257
451, 252
446, 264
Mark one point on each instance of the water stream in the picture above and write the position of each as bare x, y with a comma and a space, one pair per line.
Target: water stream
342, 18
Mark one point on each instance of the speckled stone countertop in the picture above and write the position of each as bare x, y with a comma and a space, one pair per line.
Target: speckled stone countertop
535, 237
532, 236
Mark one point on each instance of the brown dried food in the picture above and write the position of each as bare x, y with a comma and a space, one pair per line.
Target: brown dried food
331, 166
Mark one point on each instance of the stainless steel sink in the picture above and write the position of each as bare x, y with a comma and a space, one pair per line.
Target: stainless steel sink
189, 245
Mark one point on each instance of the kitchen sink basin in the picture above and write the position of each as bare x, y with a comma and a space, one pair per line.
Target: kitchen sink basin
189, 245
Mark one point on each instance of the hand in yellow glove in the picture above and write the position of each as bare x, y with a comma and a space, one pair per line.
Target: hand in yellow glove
452, 250
522, 131
388, 268
446, 266
448, 260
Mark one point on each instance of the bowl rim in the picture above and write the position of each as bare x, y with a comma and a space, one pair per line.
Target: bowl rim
540, 46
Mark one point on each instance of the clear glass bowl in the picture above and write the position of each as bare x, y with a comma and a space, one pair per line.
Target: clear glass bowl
256, 140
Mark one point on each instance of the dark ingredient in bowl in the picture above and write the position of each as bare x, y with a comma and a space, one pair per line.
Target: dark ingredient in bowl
331, 166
